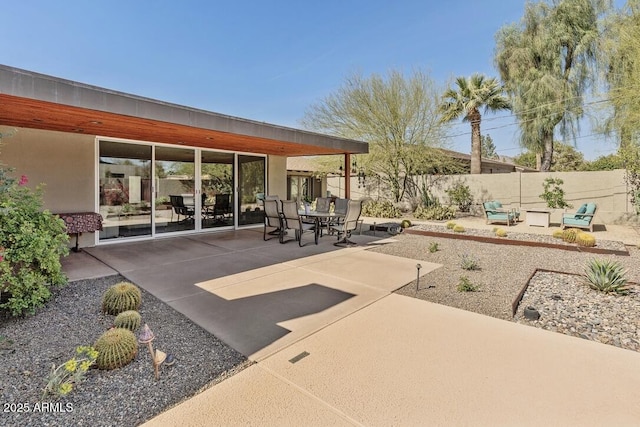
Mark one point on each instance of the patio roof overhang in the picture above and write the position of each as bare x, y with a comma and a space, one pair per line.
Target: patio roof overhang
38, 101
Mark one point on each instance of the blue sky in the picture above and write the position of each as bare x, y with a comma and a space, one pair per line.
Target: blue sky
263, 60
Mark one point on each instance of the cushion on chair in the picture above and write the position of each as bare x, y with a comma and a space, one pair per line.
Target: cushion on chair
582, 209
497, 204
576, 221
591, 208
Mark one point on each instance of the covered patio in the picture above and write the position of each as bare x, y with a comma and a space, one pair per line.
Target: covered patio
127, 157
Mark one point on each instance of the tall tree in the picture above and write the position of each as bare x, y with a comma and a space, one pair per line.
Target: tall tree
566, 158
621, 58
488, 147
397, 116
473, 94
546, 62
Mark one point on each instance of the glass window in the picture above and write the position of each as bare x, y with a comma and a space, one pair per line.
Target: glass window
251, 183
125, 189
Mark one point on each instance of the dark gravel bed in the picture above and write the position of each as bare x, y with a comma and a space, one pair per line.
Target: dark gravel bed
122, 397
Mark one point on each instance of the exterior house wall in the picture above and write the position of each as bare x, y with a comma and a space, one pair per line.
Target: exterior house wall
63, 162
277, 176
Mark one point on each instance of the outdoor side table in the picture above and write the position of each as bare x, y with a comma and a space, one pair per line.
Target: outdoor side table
80, 222
538, 217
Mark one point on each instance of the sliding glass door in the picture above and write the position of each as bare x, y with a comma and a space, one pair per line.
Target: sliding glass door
175, 190
124, 190
189, 190
216, 178
251, 182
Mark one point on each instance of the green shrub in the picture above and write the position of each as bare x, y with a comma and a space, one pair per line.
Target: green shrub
460, 194
435, 213
467, 262
32, 240
458, 229
380, 209
116, 348
606, 276
465, 285
553, 193
433, 247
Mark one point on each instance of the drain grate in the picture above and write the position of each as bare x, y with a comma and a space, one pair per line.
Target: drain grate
299, 357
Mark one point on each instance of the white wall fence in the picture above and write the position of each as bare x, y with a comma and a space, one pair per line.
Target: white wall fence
607, 189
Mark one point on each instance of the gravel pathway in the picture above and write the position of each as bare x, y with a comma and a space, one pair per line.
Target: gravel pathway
503, 272
123, 397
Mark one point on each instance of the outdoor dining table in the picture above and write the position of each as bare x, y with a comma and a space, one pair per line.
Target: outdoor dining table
319, 216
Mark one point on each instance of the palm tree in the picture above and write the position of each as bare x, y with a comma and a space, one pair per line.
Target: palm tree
475, 93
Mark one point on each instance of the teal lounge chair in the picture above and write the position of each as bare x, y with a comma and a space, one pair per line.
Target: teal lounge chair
583, 218
493, 212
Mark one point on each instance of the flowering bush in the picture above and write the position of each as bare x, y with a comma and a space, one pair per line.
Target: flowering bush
62, 378
31, 244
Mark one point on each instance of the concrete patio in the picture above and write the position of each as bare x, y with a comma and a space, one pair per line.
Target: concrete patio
334, 346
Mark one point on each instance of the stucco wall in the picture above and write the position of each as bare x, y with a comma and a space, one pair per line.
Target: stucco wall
277, 176
522, 190
63, 162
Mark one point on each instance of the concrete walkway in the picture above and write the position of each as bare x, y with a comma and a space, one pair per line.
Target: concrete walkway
335, 346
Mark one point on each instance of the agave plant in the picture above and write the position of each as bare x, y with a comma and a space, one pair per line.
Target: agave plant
606, 276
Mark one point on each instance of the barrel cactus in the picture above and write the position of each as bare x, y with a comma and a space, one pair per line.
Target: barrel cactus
558, 234
121, 297
405, 223
586, 239
458, 229
129, 319
450, 225
116, 348
570, 234
501, 232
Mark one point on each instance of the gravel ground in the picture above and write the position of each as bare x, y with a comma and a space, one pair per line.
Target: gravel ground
567, 306
504, 271
123, 397
528, 237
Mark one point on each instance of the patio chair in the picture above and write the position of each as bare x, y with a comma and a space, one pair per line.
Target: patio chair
323, 205
272, 217
178, 206
222, 206
340, 208
583, 218
515, 211
350, 223
291, 220
495, 214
